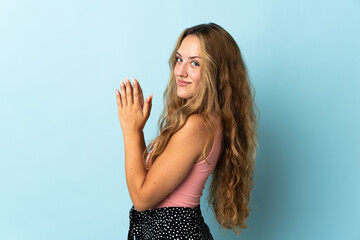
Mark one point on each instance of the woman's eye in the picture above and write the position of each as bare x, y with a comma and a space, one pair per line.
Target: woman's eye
178, 59
195, 64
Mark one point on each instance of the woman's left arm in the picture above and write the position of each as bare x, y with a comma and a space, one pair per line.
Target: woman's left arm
133, 113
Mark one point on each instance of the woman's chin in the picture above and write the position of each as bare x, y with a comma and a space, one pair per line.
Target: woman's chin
183, 96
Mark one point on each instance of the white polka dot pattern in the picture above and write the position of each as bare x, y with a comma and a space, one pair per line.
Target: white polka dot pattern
168, 223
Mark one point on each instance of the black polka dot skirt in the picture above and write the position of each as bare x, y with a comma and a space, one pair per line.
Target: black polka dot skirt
168, 223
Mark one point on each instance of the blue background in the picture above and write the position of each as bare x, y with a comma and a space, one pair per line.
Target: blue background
62, 156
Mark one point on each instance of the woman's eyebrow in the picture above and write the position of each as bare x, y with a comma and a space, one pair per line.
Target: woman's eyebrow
192, 57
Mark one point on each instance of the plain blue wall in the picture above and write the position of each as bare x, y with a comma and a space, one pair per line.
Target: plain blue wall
61, 147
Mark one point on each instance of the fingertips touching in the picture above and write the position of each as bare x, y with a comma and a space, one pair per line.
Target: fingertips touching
149, 98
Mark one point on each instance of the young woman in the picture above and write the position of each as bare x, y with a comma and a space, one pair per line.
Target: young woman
208, 126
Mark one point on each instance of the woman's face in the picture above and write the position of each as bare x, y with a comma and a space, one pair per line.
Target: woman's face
187, 70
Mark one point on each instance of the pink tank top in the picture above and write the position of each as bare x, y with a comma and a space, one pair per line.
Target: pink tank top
188, 193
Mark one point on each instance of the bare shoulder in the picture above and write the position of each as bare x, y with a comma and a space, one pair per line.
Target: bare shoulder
190, 137
195, 121
195, 127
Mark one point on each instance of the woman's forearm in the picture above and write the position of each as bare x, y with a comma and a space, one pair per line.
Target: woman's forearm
134, 144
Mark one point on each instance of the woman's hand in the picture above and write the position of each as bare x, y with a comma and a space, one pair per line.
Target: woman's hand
132, 109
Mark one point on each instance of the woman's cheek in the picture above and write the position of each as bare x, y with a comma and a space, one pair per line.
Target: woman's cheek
196, 75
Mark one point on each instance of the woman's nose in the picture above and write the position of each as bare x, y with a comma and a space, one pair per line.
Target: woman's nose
182, 70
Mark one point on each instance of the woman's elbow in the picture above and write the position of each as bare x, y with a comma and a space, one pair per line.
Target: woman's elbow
141, 204
140, 208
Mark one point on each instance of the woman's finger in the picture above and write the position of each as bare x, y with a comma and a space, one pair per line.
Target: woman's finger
118, 98
136, 92
147, 107
123, 94
141, 96
129, 94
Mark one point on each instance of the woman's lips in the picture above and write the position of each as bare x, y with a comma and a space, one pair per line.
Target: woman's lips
183, 83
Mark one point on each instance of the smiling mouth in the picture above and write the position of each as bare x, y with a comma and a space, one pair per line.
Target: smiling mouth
183, 84
182, 81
